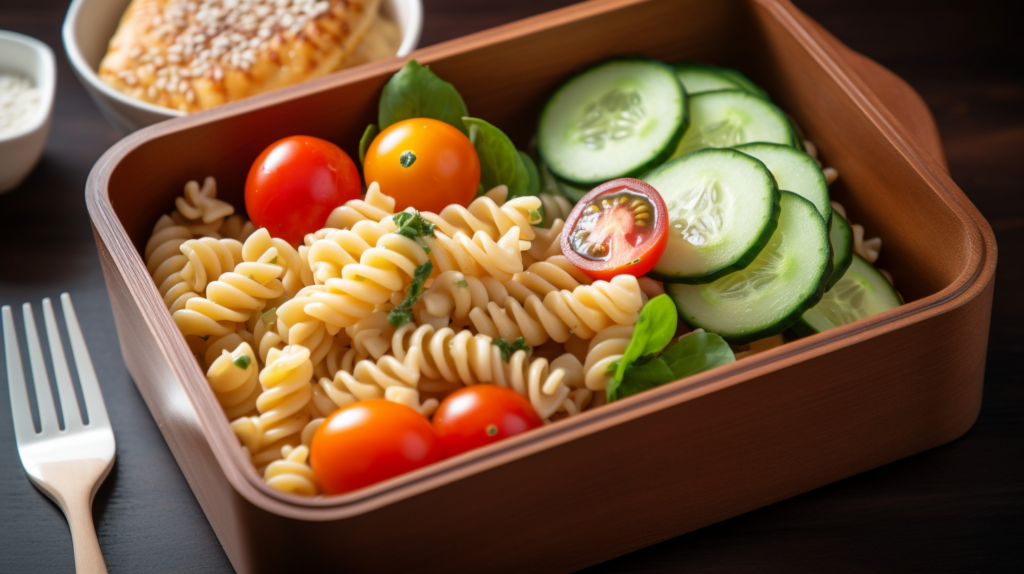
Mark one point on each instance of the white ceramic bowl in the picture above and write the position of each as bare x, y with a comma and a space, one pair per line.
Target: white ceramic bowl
20, 151
90, 24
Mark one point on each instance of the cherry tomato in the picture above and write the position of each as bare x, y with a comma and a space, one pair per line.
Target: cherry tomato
481, 414
370, 441
619, 227
295, 183
423, 163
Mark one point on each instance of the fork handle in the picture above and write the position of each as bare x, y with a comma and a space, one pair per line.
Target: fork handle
88, 558
70, 483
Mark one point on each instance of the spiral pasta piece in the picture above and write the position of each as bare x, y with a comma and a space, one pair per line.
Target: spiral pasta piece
479, 255
473, 359
292, 472
546, 244
199, 210
337, 248
371, 335
261, 247
296, 327
605, 348
489, 214
208, 258
388, 378
375, 206
454, 294
237, 227
233, 298
282, 405
382, 270
556, 206
235, 386
164, 261
582, 312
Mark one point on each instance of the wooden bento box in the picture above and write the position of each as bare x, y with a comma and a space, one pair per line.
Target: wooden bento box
640, 470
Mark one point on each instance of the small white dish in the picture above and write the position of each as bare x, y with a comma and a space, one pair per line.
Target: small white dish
90, 24
20, 151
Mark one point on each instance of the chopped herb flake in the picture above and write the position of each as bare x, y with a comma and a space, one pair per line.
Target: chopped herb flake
462, 284
242, 362
403, 312
508, 349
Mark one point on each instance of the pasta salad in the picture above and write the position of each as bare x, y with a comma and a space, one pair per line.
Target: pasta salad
476, 291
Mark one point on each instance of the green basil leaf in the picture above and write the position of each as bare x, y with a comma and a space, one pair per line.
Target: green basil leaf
364, 142
416, 92
508, 349
654, 329
500, 162
639, 378
533, 187
696, 353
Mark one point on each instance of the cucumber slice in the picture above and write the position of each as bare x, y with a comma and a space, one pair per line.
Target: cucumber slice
699, 78
862, 292
840, 236
616, 119
723, 207
728, 118
744, 83
794, 171
769, 296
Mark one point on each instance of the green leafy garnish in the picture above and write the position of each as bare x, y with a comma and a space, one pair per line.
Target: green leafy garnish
364, 142
269, 317
500, 161
403, 312
462, 284
508, 349
416, 92
413, 226
533, 187
242, 362
640, 370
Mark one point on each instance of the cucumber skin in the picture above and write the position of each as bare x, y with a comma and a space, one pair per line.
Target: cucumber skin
655, 161
787, 322
747, 257
840, 267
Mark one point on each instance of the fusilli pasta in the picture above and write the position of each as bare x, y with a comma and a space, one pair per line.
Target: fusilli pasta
291, 473
234, 378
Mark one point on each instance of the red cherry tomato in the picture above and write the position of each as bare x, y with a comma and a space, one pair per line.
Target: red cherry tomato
620, 227
295, 183
370, 441
423, 163
481, 414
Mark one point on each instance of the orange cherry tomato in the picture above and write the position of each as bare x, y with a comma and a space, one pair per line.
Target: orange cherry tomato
481, 414
370, 441
619, 227
423, 163
295, 183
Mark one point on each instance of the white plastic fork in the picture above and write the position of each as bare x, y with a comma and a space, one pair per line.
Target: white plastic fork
68, 465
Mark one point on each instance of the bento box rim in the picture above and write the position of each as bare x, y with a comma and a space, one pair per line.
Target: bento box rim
979, 268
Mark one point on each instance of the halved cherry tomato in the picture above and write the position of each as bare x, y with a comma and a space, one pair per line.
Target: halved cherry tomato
295, 183
423, 163
619, 227
370, 441
481, 414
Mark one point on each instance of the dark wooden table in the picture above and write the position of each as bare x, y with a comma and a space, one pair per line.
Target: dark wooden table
957, 507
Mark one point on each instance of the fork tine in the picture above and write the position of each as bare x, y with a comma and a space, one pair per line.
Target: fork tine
86, 374
20, 408
44, 398
65, 389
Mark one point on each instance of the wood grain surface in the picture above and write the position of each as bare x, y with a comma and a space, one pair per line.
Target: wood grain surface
957, 507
